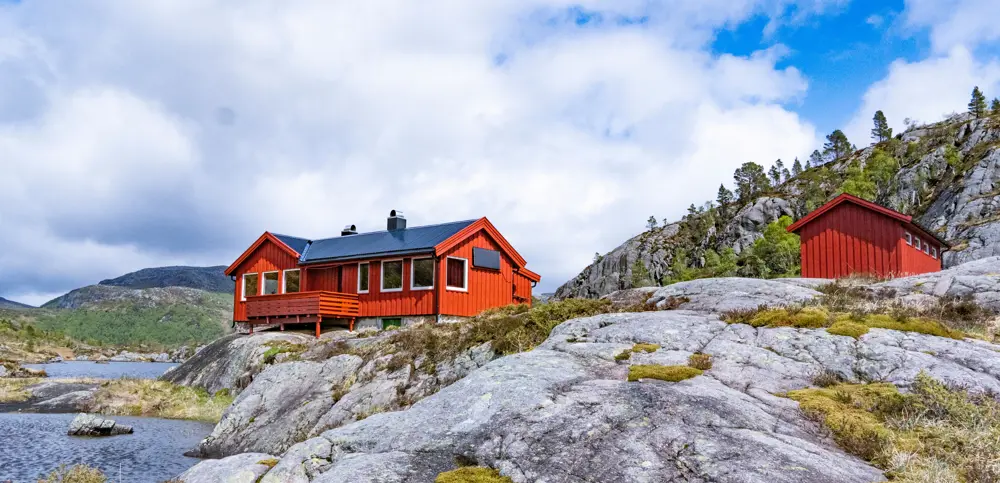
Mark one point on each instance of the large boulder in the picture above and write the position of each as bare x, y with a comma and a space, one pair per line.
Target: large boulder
231, 362
979, 279
91, 425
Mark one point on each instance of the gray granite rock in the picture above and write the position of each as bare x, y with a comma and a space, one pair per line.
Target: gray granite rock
242, 468
230, 362
722, 294
92, 425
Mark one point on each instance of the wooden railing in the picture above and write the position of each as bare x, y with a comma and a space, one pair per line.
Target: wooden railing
303, 304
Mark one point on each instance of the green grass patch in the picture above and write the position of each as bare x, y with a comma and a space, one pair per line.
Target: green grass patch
662, 373
281, 347
934, 433
700, 361
75, 474
852, 324
472, 474
145, 397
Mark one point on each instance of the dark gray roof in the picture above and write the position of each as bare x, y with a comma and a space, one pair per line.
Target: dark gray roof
417, 239
296, 243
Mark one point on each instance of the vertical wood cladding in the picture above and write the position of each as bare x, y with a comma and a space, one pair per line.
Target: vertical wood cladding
268, 257
485, 288
851, 239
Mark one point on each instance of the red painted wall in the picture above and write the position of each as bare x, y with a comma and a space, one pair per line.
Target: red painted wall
851, 239
267, 258
486, 288
916, 261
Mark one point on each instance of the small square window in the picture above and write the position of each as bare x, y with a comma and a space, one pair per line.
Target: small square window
909, 238
458, 274
927, 248
392, 276
250, 285
934, 253
291, 281
916, 243
270, 283
363, 277
422, 274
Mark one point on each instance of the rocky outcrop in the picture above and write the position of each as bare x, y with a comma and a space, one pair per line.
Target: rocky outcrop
565, 412
91, 425
948, 179
293, 401
230, 362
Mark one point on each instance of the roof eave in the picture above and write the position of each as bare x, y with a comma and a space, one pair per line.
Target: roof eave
363, 256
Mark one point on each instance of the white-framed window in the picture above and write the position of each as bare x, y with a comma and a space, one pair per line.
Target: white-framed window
290, 281
934, 253
916, 243
909, 238
251, 284
392, 276
422, 274
927, 248
270, 284
457, 274
363, 272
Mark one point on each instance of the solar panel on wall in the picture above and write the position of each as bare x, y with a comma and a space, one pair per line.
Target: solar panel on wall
483, 258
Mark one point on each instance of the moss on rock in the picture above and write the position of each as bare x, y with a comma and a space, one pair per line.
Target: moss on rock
662, 373
472, 474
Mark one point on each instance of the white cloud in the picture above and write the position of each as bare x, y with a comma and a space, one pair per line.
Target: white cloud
162, 132
955, 22
924, 91
875, 20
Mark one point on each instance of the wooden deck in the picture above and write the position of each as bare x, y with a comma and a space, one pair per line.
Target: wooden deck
302, 308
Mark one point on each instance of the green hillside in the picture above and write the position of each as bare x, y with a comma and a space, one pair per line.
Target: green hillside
195, 318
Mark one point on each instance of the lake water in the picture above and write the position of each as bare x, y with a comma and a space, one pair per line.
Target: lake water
35, 444
111, 370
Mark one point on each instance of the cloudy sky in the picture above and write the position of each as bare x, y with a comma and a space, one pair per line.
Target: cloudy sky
158, 132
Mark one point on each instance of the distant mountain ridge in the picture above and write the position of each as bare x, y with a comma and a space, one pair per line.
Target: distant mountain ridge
10, 304
209, 279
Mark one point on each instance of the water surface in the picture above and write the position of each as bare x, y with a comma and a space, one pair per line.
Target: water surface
111, 370
34, 444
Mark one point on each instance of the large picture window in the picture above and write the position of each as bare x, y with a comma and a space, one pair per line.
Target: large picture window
270, 283
291, 281
251, 284
458, 274
363, 277
422, 274
392, 276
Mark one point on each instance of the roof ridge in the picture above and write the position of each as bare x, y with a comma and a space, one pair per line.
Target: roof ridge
407, 228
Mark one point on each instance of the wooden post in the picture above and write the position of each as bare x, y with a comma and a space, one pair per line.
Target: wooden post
251, 327
319, 320
282, 325
351, 325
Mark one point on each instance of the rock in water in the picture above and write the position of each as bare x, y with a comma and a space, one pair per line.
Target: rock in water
91, 425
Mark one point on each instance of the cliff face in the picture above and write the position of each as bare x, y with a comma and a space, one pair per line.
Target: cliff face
947, 175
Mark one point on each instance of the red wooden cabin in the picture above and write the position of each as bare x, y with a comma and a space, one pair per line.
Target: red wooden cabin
850, 235
400, 275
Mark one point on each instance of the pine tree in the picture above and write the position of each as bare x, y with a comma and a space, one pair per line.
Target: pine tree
651, 223
815, 159
977, 105
775, 174
751, 181
796, 167
785, 175
837, 145
995, 107
724, 199
881, 131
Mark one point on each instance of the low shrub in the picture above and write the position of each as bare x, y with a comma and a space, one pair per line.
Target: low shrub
647, 348
827, 379
270, 462
75, 474
700, 361
919, 325
662, 373
472, 474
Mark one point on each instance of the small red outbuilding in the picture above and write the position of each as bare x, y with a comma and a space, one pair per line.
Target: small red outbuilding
850, 235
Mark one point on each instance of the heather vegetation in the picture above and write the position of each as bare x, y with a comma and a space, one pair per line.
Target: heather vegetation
75, 474
472, 474
933, 433
145, 397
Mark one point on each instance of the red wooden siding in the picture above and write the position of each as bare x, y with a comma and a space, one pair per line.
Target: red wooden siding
916, 261
267, 258
486, 288
849, 238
